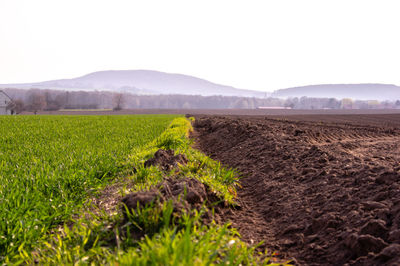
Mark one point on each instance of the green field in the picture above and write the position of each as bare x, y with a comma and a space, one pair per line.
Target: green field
49, 164
53, 168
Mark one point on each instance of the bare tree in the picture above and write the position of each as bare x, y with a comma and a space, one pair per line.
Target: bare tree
36, 102
61, 100
118, 101
19, 106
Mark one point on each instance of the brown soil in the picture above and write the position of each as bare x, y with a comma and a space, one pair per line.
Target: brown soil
185, 193
319, 189
166, 160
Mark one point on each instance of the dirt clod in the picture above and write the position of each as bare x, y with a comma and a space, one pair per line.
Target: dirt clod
361, 245
166, 160
376, 228
185, 193
389, 253
141, 199
192, 190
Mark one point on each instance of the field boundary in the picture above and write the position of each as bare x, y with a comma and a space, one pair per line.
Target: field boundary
169, 228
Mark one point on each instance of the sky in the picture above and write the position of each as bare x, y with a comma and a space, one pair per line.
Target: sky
259, 45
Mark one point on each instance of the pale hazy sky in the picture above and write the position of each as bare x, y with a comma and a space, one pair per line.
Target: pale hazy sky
261, 45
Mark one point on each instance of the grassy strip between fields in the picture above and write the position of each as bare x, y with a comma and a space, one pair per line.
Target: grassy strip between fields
154, 234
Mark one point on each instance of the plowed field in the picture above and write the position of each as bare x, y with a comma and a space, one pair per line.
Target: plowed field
321, 189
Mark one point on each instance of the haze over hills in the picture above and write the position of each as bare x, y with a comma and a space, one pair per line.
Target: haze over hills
148, 82
142, 82
367, 91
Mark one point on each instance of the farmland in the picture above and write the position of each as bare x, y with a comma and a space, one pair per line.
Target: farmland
114, 189
49, 166
322, 189
313, 189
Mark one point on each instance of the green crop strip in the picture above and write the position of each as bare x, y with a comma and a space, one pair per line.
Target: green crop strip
154, 234
222, 180
50, 165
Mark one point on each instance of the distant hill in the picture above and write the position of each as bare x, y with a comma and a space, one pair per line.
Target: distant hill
355, 91
148, 82
141, 82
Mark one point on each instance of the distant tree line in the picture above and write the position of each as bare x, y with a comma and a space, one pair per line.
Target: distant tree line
34, 100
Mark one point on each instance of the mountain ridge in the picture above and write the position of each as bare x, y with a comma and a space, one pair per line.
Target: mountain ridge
142, 82
150, 82
362, 91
